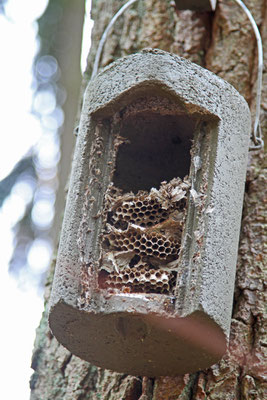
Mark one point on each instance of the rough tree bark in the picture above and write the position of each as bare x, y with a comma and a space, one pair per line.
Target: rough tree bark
224, 43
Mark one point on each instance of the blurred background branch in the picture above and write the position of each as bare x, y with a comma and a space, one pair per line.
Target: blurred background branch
39, 178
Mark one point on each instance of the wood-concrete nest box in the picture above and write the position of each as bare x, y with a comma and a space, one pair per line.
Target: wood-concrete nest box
145, 271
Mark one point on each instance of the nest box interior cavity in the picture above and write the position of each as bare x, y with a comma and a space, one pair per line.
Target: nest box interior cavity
146, 264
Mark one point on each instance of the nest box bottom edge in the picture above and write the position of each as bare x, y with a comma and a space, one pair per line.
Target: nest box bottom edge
139, 344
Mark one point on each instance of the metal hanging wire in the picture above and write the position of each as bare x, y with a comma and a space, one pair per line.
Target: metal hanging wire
256, 133
106, 32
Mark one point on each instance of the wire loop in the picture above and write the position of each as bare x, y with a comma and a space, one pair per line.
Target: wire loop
106, 32
256, 133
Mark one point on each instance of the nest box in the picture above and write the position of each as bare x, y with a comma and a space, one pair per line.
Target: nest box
145, 271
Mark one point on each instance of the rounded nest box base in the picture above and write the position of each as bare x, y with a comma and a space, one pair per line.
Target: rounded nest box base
139, 344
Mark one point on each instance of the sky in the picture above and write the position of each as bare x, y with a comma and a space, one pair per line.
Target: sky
21, 305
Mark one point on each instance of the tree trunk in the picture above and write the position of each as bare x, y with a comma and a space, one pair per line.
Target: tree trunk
225, 44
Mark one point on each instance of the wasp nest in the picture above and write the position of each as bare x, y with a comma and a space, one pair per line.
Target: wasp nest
141, 279
145, 211
144, 243
143, 239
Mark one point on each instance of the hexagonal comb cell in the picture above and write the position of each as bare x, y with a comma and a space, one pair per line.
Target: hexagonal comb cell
143, 239
146, 243
145, 211
140, 279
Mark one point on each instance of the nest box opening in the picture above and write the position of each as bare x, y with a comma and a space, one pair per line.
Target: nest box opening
146, 206
157, 149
